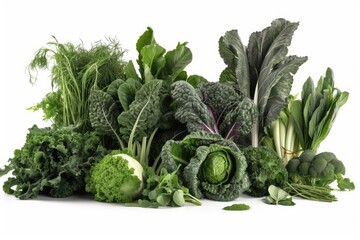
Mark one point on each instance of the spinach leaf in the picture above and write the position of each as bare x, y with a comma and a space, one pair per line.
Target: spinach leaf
278, 197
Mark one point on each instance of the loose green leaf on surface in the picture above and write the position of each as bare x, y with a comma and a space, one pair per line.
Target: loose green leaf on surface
237, 207
278, 197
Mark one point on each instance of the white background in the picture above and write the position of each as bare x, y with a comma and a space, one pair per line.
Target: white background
328, 34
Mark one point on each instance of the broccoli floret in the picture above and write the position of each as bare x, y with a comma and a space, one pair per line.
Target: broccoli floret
118, 177
265, 168
316, 170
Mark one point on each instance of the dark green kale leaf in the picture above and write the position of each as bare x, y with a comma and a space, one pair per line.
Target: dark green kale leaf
54, 162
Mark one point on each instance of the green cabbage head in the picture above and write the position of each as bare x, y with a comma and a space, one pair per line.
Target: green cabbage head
210, 166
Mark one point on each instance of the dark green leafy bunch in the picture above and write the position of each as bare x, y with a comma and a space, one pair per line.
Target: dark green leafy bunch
75, 72
210, 166
265, 168
113, 111
215, 108
53, 161
315, 169
314, 114
262, 72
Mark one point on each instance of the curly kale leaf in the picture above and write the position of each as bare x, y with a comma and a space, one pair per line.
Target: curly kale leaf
53, 162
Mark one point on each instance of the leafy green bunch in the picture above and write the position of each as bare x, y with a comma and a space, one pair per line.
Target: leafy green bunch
75, 72
115, 110
53, 161
262, 72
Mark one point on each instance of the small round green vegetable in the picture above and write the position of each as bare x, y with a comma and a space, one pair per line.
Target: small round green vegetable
118, 177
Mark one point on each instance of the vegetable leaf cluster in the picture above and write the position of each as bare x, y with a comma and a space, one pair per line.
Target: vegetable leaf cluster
54, 162
262, 72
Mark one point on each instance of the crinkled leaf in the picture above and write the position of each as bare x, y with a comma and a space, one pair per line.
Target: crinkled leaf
127, 91
270, 70
6, 169
233, 53
103, 112
239, 120
147, 102
113, 88
190, 109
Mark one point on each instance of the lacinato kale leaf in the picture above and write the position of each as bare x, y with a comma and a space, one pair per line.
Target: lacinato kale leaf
54, 162
214, 107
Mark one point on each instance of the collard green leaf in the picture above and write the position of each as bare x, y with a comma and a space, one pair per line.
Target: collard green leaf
130, 71
103, 112
176, 61
113, 88
147, 102
127, 91
271, 72
233, 53
152, 57
146, 38
196, 80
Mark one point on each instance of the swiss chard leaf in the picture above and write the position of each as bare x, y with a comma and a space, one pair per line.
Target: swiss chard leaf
103, 112
127, 91
113, 88
147, 102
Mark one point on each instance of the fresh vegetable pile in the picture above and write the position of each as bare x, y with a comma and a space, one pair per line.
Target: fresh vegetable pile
154, 136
